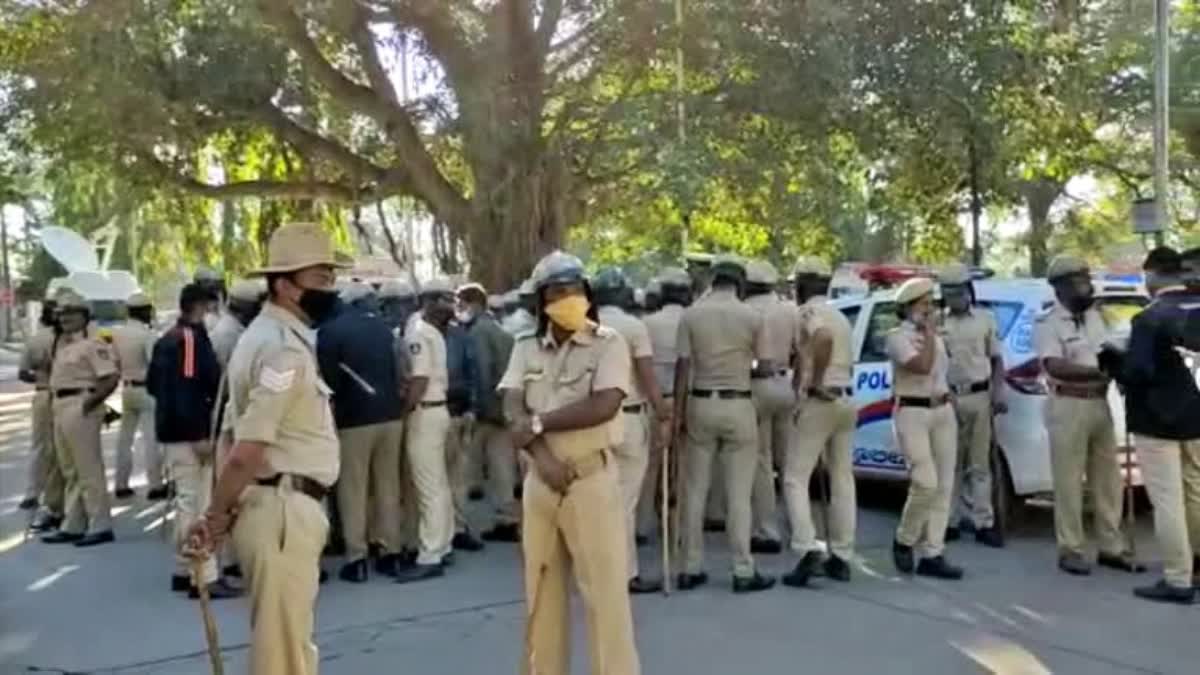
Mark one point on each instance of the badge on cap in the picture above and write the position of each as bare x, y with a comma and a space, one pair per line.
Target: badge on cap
414, 347
276, 381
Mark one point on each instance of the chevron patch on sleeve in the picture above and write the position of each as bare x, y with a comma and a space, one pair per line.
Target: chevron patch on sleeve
275, 380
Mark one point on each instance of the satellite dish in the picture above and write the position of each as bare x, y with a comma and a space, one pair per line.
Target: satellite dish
70, 249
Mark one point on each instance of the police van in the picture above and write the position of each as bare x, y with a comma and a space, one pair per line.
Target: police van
1021, 465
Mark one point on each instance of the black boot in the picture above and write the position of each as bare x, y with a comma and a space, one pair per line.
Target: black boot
902, 557
354, 572
61, 537
158, 494
96, 538
640, 586
1124, 562
990, 536
837, 569
180, 583
752, 584
217, 590
1164, 592
234, 571
46, 522
1073, 563
952, 534
465, 541
938, 568
503, 532
808, 565
765, 546
714, 525
28, 504
419, 573
124, 493
687, 582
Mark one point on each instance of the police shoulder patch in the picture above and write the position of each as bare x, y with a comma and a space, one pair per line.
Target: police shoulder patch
277, 381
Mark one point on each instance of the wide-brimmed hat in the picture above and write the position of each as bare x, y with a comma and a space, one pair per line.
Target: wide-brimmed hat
299, 245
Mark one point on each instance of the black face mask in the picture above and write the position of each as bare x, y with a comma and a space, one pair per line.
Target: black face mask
1078, 304
318, 303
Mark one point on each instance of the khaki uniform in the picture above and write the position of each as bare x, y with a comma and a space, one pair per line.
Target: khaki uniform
927, 437
277, 397
825, 431
632, 453
79, 362
722, 337
1171, 473
134, 344
972, 341
775, 403
663, 327
45, 476
425, 438
460, 435
225, 336
1082, 441
582, 532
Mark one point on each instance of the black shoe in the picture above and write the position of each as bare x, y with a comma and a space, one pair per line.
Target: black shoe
375, 550
476, 494
1196, 572
506, 533
1164, 592
322, 577
28, 504
752, 584
837, 569
448, 560
1073, 563
686, 582
124, 493
465, 541
966, 526
419, 573
765, 546
990, 536
938, 568
158, 494
714, 525
355, 572
335, 548
640, 586
234, 571
45, 523
61, 537
391, 564
217, 590
180, 583
96, 538
1124, 562
808, 565
902, 557
952, 534
641, 540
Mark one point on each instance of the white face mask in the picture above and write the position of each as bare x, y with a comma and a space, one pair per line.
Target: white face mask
464, 316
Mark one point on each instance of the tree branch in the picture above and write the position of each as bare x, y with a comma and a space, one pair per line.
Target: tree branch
261, 189
364, 41
313, 144
548, 26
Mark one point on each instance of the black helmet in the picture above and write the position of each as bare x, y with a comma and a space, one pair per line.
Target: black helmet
612, 288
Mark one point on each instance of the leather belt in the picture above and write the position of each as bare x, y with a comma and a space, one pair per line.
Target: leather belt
431, 404
299, 483
1077, 391
767, 376
135, 383
41, 387
71, 391
972, 388
720, 393
634, 408
841, 391
923, 401
588, 465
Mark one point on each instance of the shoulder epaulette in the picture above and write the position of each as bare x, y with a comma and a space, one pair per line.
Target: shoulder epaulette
605, 332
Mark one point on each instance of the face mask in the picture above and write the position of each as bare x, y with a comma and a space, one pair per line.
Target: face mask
569, 313
1080, 303
318, 303
464, 317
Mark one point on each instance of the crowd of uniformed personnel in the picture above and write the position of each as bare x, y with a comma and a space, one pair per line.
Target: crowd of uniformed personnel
295, 414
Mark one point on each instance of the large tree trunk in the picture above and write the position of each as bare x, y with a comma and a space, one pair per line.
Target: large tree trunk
1040, 196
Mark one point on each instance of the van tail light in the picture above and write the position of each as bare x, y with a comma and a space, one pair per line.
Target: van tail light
1027, 378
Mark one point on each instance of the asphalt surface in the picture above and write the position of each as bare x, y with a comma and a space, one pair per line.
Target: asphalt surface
109, 610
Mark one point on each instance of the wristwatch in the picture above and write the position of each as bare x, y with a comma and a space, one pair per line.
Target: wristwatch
535, 425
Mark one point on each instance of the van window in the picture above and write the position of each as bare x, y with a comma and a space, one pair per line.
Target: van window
1005, 313
883, 321
851, 314
1118, 310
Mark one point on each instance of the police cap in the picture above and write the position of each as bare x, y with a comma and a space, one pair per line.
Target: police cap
727, 264
674, 276
955, 274
1066, 265
610, 279
811, 266
556, 268
396, 288
472, 286
761, 272
914, 289
204, 273
248, 290
438, 286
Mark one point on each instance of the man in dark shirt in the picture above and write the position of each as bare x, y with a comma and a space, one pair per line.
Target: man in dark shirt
183, 377
460, 401
357, 360
1162, 408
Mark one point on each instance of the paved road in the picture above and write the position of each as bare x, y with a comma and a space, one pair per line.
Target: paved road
108, 610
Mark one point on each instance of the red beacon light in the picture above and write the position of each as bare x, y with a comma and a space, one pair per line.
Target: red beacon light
888, 276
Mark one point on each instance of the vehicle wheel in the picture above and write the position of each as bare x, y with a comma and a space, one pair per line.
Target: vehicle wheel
1009, 507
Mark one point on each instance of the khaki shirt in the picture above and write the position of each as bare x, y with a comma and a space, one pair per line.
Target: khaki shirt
80, 361
38, 355
903, 344
818, 314
224, 337
722, 336
663, 327
134, 343
779, 327
972, 340
552, 376
427, 353
277, 397
637, 338
1058, 337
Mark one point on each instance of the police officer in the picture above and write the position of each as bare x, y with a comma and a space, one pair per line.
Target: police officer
824, 428
1161, 401
926, 431
133, 341
1069, 337
640, 423
285, 454
774, 400
246, 297
214, 283
976, 377
84, 373
397, 303
521, 320
720, 337
428, 424
652, 297
562, 392
45, 478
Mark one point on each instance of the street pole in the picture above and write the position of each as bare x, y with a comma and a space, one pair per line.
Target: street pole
1162, 16
681, 109
8, 294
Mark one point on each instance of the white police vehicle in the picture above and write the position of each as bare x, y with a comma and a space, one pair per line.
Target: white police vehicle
1022, 464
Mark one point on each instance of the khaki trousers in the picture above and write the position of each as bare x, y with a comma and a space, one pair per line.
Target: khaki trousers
1082, 444
45, 477
824, 430
426, 440
278, 536
369, 483
726, 427
632, 455
927, 437
458, 444
77, 441
775, 404
191, 468
1171, 474
582, 533
648, 503
496, 448
973, 488
137, 415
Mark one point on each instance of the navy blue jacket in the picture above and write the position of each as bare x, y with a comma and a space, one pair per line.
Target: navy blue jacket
183, 378
463, 370
361, 342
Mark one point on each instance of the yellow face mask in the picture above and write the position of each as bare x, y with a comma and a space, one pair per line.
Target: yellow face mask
569, 313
